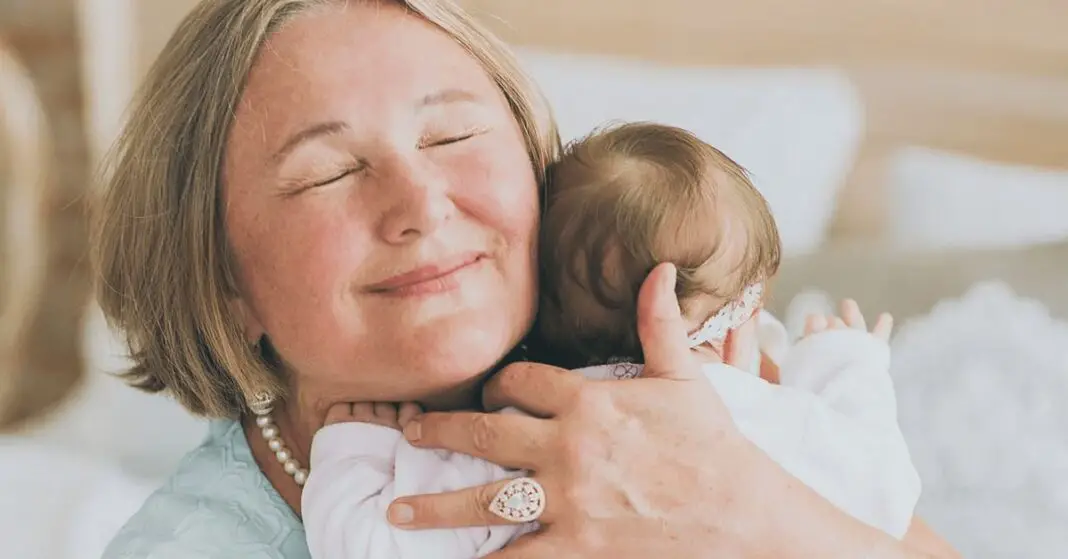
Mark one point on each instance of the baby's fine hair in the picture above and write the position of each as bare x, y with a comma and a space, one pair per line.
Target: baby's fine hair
624, 199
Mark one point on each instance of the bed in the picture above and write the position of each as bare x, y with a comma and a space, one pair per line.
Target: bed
870, 126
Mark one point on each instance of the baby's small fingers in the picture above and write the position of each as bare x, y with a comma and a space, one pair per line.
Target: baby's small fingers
851, 315
408, 410
386, 411
835, 323
363, 411
884, 326
339, 413
815, 324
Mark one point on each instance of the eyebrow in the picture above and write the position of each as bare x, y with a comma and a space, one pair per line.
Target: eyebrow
447, 96
314, 131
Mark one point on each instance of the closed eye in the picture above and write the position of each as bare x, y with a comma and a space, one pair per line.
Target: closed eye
436, 142
351, 170
453, 140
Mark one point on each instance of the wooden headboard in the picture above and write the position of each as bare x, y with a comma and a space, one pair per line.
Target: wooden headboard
45, 277
987, 78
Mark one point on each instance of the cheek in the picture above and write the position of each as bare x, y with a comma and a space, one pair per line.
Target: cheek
498, 188
275, 242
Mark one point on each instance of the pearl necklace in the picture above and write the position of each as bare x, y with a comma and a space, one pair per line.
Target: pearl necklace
272, 435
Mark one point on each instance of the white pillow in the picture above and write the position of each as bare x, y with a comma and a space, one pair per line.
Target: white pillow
796, 130
60, 504
146, 434
943, 200
981, 384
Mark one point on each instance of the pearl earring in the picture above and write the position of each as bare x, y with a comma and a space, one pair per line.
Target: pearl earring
262, 406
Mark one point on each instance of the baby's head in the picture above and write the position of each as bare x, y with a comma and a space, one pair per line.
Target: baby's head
627, 198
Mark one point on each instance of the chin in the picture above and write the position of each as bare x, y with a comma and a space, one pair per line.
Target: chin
464, 351
446, 358
441, 344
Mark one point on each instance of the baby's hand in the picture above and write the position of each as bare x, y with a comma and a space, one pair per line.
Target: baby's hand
851, 318
386, 414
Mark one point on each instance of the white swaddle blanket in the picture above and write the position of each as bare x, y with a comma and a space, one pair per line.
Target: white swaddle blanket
832, 423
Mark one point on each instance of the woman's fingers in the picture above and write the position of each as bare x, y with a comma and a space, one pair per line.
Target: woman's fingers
662, 329
453, 509
407, 412
540, 390
511, 440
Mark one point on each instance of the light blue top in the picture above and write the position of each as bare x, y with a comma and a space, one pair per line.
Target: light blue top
217, 505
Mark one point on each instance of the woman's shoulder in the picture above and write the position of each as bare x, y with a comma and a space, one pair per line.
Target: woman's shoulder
216, 504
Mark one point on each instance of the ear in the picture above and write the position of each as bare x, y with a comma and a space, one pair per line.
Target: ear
250, 325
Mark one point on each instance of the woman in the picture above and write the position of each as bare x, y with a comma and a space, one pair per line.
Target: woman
318, 202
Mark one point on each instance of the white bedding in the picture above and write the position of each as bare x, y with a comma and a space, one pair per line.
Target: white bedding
982, 383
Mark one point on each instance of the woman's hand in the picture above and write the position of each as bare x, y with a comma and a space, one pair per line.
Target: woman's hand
649, 467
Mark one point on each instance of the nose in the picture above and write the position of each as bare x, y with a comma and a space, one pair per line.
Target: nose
418, 201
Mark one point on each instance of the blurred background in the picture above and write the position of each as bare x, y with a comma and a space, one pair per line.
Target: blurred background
914, 152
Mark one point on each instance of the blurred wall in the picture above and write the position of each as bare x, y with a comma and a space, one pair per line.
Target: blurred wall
40, 357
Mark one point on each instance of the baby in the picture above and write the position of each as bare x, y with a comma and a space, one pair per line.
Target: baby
619, 202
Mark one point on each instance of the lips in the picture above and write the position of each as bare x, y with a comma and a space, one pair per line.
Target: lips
429, 277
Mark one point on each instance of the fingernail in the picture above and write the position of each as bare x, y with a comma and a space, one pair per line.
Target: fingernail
400, 513
413, 431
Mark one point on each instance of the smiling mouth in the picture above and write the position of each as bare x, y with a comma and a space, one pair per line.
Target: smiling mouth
427, 280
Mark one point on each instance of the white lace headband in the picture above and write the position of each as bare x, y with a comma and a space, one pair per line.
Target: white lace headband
731, 316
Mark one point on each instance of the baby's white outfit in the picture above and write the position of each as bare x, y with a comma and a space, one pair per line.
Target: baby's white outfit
832, 423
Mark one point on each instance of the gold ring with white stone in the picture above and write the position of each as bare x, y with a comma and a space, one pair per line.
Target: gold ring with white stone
521, 500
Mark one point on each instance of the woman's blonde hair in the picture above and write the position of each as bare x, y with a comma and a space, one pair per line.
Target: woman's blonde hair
158, 237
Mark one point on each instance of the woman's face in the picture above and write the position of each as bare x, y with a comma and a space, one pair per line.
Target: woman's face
381, 206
